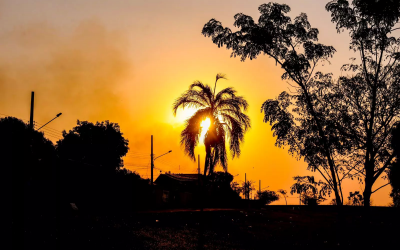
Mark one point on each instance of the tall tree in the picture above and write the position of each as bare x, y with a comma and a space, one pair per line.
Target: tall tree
341, 128
28, 174
227, 118
293, 45
90, 156
28, 155
369, 95
100, 145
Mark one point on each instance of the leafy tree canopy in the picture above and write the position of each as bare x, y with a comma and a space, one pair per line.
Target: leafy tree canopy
26, 152
267, 196
340, 127
100, 146
309, 189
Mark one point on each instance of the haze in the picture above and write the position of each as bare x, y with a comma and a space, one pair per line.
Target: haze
126, 61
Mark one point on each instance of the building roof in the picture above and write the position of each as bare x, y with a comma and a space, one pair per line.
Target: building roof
178, 179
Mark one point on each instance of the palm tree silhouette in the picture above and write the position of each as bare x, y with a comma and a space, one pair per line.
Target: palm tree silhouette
227, 122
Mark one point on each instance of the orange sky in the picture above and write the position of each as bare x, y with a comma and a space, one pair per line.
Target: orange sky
126, 61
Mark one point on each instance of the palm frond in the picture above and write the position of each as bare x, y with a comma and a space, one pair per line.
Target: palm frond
190, 98
235, 102
236, 131
205, 90
228, 122
220, 76
230, 92
243, 119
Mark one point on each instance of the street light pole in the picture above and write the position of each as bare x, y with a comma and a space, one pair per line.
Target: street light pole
58, 115
31, 113
153, 159
162, 155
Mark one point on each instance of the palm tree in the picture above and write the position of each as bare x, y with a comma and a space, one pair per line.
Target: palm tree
228, 123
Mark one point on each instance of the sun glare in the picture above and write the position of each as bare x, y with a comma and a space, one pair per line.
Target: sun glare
204, 128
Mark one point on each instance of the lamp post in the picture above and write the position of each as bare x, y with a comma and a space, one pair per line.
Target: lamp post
58, 115
153, 159
162, 155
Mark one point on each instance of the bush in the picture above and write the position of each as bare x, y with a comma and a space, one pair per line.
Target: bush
267, 197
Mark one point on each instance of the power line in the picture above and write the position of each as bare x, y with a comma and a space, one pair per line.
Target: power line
36, 123
137, 153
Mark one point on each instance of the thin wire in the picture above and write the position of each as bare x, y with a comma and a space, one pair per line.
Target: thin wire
35, 123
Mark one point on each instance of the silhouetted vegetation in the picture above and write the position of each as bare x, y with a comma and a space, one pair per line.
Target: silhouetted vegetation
228, 123
283, 193
92, 178
344, 128
26, 151
219, 191
356, 199
341, 127
237, 188
28, 160
394, 174
266, 197
311, 192
28, 177
247, 188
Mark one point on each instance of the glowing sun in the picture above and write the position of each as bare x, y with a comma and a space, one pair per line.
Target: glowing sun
204, 128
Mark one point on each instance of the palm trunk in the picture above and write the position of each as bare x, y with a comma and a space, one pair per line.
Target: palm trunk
208, 159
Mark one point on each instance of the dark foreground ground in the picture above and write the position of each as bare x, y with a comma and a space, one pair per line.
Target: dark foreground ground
283, 227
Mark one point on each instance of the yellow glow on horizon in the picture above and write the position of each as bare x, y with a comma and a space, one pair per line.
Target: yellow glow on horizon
181, 116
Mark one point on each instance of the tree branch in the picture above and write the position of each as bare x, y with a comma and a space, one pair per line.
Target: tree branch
380, 187
380, 171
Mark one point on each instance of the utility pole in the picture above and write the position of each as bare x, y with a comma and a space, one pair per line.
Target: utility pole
245, 187
32, 106
259, 187
152, 160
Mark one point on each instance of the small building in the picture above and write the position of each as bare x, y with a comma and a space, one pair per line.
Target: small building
177, 190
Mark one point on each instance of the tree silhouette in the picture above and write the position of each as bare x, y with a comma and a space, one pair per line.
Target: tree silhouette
90, 156
341, 127
394, 174
228, 122
267, 196
101, 145
368, 96
237, 188
310, 191
356, 199
293, 46
283, 193
247, 187
28, 155
28, 175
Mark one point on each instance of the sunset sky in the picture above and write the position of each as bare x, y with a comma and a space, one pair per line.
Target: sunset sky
127, 61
